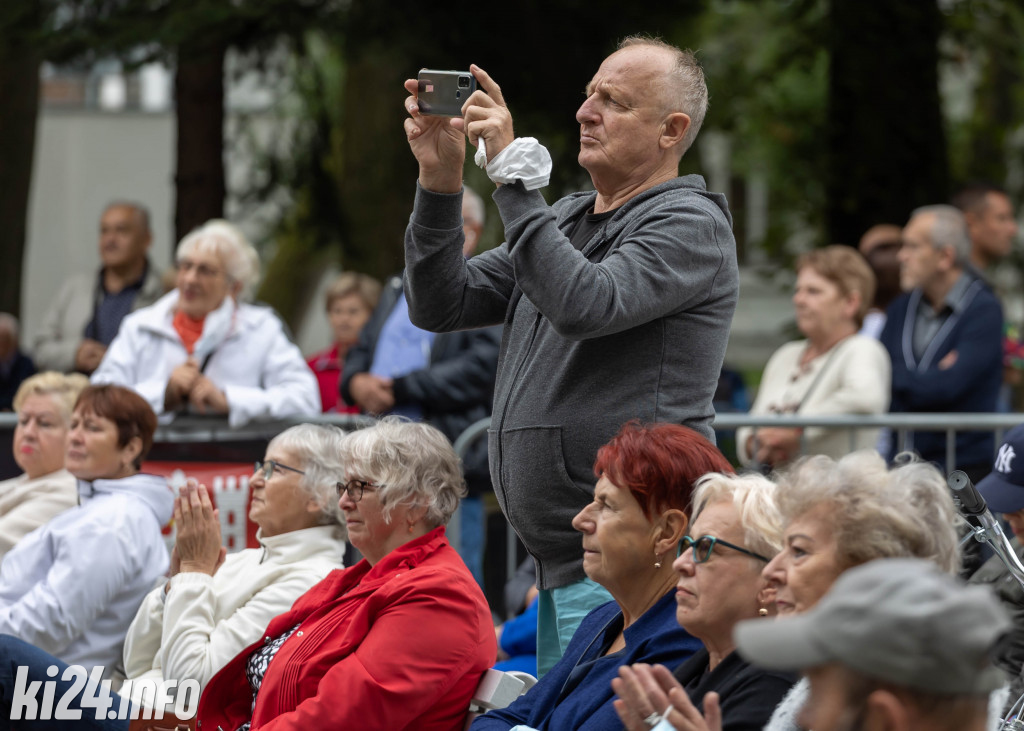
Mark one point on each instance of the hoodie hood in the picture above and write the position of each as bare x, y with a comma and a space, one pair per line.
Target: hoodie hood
152, 490
650, 198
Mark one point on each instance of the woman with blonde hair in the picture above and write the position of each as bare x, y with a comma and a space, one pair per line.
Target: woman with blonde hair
43, 404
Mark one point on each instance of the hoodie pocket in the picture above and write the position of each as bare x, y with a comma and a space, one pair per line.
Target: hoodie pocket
539, 497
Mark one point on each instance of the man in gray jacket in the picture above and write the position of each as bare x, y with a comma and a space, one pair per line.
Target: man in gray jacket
617, 304
85, 315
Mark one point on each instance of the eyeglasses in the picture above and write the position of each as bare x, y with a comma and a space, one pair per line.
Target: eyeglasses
267, 468
703, 545
355, 489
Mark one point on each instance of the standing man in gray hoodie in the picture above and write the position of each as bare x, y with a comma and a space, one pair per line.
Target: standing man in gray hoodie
616, 304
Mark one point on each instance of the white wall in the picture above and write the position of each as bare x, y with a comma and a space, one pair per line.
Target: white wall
83, 160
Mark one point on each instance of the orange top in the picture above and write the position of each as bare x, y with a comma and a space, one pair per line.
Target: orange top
188, 330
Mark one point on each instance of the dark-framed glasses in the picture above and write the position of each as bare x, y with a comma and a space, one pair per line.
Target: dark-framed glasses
355, 489
267, 467
703, 546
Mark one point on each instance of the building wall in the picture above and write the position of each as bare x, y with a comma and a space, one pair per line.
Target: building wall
84, 159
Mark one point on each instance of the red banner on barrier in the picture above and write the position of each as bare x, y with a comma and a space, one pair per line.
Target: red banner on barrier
228, 485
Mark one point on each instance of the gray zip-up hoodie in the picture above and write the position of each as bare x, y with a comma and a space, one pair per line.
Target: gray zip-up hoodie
634, 326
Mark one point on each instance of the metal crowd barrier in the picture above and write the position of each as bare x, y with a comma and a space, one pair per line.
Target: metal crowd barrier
207, 439
899, 424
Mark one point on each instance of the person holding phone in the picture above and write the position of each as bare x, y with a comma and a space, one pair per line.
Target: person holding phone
616, 302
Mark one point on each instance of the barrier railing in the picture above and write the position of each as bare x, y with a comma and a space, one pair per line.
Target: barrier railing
899, 424
205, 439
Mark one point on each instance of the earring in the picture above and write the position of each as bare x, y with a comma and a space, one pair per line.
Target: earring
762, 612
657, 563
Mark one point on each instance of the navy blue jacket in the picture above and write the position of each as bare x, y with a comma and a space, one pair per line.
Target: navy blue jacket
970, 385
582, 700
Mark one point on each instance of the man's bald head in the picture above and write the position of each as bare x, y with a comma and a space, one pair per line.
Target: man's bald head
683, 88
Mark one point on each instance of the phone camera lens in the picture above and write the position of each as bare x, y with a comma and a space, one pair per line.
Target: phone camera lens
463, 82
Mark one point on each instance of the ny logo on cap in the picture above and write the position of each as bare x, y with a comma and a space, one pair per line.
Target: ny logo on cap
1004, 460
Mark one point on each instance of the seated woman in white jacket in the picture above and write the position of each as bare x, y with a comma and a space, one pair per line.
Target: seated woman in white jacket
833, 371
201, 348
43, 404
213, 607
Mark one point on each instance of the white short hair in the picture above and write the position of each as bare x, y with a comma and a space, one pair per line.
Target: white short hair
753, 496
475, 205
948, 230
239, 258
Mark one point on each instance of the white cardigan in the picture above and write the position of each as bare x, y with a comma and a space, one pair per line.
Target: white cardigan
856, 381
204, 621
27, 504
262, 373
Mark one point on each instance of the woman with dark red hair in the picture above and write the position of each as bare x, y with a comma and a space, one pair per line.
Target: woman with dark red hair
639, 514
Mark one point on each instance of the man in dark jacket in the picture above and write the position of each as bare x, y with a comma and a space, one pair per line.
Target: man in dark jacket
944, 337
446, 380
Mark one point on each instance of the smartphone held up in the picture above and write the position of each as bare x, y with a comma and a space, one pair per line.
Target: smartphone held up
442, 93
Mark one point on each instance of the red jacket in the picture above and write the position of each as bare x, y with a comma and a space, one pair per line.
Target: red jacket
326, 366
398, 645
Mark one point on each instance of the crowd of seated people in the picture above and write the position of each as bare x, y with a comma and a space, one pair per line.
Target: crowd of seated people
215, 604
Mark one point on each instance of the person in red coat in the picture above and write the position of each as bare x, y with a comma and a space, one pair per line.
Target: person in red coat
349, 302
398, 641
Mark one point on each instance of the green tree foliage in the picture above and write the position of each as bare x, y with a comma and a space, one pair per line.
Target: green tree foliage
767, 69
886, 142
984, 46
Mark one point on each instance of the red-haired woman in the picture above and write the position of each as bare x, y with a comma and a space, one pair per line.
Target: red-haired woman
630, 533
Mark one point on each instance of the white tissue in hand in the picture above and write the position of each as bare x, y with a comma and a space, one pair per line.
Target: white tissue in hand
480, 158
525, 159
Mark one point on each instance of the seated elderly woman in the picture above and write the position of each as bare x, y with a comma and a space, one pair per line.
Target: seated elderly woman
43, 404
72, 587
214, 607
200, 347
398, 641
630, 530
833, 371
736, 531
841, 514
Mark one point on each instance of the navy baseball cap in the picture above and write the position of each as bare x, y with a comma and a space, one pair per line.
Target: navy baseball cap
1003, 488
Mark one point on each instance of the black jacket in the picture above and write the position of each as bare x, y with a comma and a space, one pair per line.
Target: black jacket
454, 390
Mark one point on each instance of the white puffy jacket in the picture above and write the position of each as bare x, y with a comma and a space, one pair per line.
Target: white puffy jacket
260, 370
73, 586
